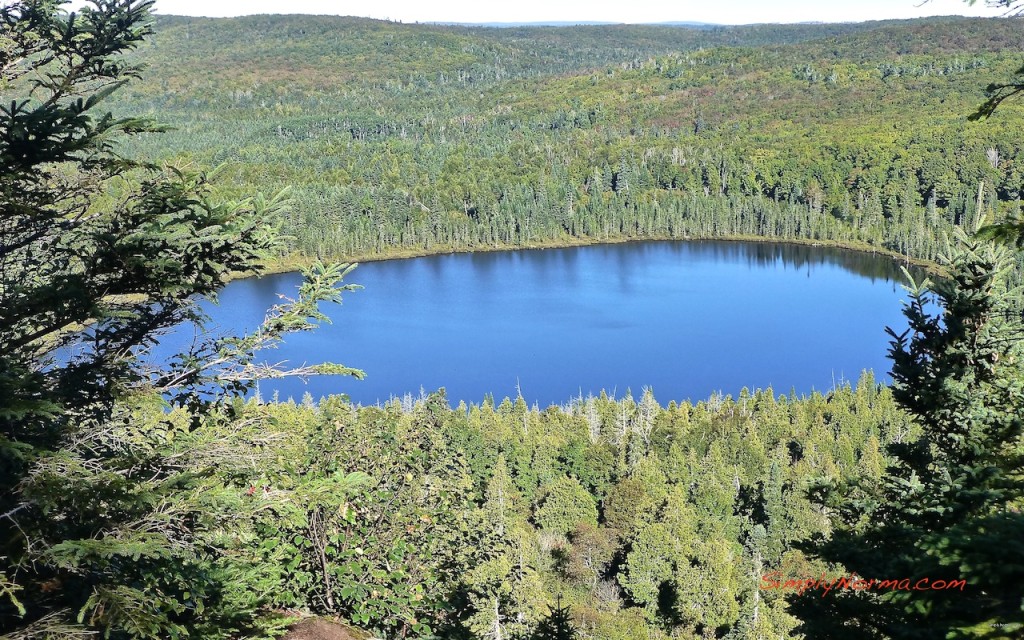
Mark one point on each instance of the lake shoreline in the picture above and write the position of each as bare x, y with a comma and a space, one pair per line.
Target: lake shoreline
296, 262
685, 318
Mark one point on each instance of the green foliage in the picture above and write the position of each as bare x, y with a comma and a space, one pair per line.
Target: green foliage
628, 504
377, 547
564, 506
948, 506
409, 139
1009, 231
557, 626
112, 519
1000, 91
502, 503
418, 545
144, 501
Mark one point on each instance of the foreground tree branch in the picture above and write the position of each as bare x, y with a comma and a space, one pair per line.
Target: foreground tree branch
103, 529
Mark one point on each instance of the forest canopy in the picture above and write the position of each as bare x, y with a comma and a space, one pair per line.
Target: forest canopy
142, 502
402, 139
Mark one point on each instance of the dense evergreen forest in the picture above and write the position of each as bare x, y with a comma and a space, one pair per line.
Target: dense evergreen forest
400, 139
142, 500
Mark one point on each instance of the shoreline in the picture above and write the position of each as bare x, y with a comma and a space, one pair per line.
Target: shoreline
296, 262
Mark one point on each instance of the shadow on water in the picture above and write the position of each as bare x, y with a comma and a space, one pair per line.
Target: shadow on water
872, 266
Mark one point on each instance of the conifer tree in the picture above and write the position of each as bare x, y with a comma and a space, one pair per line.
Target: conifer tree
108, 523
949, 506
557, 626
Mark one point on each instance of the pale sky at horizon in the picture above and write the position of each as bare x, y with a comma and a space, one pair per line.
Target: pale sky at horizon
720, 11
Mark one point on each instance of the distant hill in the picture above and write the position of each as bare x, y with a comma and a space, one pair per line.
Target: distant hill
694, 25
505, 25
578, 23
312, 50
419, 137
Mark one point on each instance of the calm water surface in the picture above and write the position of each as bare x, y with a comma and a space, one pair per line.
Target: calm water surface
684, 318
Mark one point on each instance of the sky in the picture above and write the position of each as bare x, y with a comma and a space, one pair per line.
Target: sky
633, 11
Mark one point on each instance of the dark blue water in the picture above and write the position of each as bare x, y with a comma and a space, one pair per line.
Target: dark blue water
684, 318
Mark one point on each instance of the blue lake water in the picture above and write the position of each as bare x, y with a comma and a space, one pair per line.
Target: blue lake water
685, 318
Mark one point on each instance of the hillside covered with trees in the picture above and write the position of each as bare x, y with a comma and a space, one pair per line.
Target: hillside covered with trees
400, 139
154, 500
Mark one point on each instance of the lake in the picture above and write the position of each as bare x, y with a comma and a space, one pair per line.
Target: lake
686, 319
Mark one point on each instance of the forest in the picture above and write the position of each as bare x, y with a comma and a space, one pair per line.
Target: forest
145, 161
408, 139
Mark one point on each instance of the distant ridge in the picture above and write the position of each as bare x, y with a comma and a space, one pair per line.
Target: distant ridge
514, 25
431, 138
692, 25
577, 23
